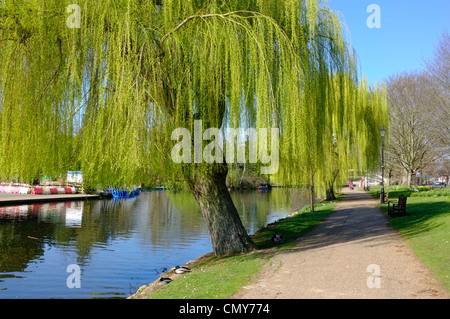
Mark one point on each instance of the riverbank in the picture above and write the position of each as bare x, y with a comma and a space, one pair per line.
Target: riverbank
236, 271
354, 253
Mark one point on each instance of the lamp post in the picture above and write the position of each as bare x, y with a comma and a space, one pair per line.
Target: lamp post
383, 134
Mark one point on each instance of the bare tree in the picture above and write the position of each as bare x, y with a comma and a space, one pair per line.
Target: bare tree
419, 104
413, 139
439, 66
438, 69
443, 170
439, 171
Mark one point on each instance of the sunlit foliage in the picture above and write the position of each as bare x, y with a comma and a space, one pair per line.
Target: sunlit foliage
105, 97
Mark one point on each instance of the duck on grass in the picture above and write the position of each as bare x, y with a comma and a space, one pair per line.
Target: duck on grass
178, 270
181, 270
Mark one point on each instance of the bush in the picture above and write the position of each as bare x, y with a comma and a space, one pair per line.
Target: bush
424, 188
436, 192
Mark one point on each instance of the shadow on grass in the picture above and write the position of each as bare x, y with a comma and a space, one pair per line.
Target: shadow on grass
420, 211
392, 193
420, 214
291, 228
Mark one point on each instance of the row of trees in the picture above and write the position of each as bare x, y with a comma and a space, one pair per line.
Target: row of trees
419, 118
107, 96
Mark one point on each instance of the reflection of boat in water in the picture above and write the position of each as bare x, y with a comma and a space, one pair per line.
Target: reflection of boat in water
119, 193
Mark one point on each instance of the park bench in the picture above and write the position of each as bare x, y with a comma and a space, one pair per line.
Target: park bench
398, 209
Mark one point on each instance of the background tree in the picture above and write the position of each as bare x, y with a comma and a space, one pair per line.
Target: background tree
438, 70
419, 103
414, 141
443, 170
355, 149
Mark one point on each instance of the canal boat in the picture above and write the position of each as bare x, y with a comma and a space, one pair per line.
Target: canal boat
120, 193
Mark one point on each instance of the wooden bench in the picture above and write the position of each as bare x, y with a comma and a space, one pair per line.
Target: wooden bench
398, 209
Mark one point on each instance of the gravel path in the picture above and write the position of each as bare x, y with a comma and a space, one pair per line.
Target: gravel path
354, 253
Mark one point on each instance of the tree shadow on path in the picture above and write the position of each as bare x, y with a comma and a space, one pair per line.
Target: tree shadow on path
356, 218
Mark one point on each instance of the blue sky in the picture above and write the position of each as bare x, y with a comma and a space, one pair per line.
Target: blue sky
409, 32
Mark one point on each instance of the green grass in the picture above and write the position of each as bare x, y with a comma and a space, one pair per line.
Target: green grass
394, 191
220, 278
293, 227
426, 229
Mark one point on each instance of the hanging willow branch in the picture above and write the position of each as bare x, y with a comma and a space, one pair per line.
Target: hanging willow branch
105, 98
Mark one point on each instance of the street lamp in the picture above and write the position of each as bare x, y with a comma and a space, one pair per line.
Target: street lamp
383, 134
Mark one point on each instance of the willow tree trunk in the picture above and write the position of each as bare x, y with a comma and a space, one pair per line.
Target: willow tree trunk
330, 186
228, 235
330, 192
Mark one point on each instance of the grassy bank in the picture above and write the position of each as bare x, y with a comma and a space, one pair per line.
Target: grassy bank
426, 228
222, 277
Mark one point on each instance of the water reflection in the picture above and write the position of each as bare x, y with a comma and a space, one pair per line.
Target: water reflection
119, 244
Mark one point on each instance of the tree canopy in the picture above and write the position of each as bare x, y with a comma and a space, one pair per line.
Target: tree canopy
107, 95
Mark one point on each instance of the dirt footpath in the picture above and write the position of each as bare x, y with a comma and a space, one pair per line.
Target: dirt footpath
354, 253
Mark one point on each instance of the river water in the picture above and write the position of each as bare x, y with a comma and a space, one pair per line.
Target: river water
116, 245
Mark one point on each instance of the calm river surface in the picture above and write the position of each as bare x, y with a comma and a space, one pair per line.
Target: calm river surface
119, 245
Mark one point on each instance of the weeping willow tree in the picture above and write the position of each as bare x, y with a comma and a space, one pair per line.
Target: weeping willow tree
104, 85
358, 113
